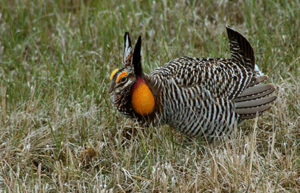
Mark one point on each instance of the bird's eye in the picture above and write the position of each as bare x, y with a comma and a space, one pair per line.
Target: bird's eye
123, 79
122, 75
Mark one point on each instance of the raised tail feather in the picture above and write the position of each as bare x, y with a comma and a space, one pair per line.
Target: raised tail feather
240, 48
255, 99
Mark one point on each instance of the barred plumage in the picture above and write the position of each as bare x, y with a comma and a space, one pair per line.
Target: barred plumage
197, 96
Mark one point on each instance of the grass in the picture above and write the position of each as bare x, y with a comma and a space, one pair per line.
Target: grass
59, 132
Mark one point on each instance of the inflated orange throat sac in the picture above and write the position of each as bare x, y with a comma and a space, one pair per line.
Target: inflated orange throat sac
142, 98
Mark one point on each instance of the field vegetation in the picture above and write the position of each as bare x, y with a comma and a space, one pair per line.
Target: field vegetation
60, 133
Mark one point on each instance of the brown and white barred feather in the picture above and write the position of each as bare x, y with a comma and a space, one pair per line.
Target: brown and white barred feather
199, 96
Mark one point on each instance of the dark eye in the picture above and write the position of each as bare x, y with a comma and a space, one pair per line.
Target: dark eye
123, 79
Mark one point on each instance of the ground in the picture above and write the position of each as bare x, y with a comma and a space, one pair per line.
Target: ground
60, 133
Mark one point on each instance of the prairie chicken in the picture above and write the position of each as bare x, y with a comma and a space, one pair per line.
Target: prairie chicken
197, 96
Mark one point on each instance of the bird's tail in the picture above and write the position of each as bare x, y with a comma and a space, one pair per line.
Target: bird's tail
255, 99
240, 48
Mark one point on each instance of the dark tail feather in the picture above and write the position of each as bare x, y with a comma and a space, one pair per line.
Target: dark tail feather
240, 48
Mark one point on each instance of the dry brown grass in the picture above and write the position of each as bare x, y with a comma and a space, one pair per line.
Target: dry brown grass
59, 132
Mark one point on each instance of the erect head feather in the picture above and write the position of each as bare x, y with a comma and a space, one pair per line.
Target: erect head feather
136, 60
127, 56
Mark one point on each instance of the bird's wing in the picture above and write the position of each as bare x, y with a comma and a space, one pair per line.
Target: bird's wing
220, 77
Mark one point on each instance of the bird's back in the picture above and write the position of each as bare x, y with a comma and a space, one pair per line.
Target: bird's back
222, 77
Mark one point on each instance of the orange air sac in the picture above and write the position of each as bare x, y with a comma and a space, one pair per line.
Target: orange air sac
142, 98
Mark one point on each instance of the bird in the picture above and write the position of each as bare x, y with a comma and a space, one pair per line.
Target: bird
199, 97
